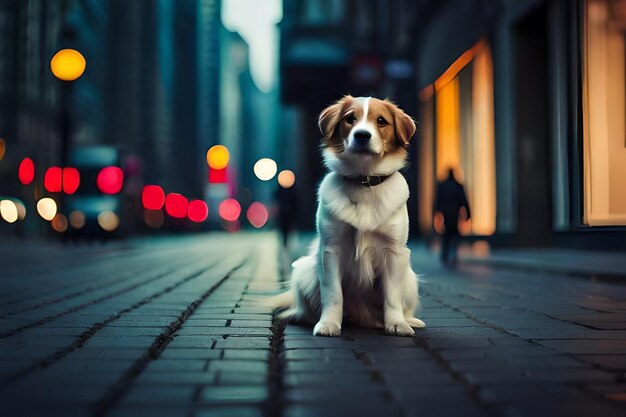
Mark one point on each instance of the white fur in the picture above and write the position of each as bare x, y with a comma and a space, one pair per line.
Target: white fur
358, 267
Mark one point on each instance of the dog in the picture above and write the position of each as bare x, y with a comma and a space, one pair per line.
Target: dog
358, 268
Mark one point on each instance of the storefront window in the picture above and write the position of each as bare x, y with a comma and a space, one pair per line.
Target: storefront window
604, 110
458, 134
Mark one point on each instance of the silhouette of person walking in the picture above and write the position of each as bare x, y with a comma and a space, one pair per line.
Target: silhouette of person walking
287, 198
450, 202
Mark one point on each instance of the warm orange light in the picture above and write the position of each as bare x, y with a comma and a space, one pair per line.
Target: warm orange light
77, 219
286, 178
217, 157
59, 223
2, 148
452, 71
448, 130
68, 64
481, 178
108, 221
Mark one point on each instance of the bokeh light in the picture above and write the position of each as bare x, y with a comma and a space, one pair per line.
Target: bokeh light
218, 176
153, 218
110, 180
77, 219
52, 180
230, 209
47, 208
176, 205
26, 171
286, 178
8, 211
265, 169
68, 64
257, 214
108, 221
59, 223
71, 180
3, 148
21, 209
197, 211
153, 197
217, 157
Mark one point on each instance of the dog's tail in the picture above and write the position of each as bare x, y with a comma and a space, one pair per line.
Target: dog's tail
282, 300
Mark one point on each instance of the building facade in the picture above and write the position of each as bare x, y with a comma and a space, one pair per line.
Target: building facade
525, 100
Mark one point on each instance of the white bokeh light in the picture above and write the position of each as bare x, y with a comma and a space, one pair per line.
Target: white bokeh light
265, 169
47, 208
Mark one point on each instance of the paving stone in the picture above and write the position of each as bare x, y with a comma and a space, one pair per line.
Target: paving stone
234, 395
175, 365
150, 395
175, 378
242, 354
238, 366
191, 354
243, 343
238, 378
233, 411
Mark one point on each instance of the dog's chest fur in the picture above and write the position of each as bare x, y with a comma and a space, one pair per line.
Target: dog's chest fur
361, 224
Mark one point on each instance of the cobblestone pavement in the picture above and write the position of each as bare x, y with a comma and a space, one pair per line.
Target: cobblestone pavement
169, 328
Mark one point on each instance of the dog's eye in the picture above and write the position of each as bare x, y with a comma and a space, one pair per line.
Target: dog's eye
350, 119
382, 122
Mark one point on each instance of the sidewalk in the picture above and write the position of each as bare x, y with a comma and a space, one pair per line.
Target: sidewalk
168, 328
587, 263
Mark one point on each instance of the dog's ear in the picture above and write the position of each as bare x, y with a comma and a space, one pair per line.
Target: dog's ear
405, 127
329, 119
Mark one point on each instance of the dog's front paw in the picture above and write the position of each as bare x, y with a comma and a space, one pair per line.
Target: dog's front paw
326, 328
400, 328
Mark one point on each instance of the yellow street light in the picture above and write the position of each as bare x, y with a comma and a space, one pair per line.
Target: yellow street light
68, 64
217, 157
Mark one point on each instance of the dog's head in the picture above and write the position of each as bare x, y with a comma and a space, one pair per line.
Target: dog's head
365, 136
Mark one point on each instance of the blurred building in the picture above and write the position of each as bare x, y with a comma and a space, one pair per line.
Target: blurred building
151, 85
30, 32
330, 48
164, 97
525, 100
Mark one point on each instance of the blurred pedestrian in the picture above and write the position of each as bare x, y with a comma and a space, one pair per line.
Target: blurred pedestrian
287, 199
451, 204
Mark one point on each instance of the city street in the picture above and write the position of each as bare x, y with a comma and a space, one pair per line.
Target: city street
169, 326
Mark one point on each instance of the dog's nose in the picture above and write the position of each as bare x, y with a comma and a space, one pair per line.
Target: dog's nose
361, 137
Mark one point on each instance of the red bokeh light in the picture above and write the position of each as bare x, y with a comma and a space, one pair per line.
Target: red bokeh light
197, 211
217, 176
71, 180
26, 171
257, 214
110, 180
53, 180
176, 205
152, 197
230, 209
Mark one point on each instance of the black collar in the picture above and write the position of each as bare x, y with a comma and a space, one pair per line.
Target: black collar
367, 180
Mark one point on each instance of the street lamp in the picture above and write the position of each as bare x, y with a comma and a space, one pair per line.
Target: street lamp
67, 65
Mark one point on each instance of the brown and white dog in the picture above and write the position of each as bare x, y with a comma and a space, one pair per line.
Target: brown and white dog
359, 266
